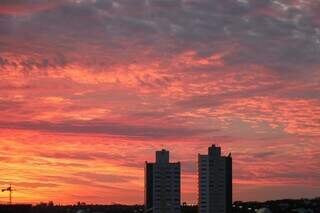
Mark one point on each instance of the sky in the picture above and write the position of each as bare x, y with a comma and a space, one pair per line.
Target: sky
90, 89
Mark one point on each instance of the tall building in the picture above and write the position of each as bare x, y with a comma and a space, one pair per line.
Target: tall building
162, 185
215, 182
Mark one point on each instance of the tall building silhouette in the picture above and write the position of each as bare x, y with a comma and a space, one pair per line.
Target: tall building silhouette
215, 182
162, 185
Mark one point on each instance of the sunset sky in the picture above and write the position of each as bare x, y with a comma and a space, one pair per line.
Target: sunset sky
90, 89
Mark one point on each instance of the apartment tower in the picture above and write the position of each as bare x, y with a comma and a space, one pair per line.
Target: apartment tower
215, 182
162, 185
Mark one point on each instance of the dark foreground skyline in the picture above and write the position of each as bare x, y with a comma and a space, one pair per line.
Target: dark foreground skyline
89, 89
275, 206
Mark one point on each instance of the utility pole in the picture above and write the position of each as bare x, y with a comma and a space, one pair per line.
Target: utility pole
10, 190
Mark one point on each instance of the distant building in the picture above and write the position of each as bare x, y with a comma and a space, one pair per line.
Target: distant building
264, 210
302, 210
162, 185
215, 182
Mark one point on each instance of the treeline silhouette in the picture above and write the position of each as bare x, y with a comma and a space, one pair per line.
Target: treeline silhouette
82, 208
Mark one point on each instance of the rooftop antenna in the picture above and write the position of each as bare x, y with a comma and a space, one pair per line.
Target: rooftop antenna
162, 146
10, 190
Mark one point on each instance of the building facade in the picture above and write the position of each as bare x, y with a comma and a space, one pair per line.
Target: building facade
214, 182
162, 185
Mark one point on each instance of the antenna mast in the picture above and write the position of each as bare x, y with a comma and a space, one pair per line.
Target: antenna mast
9, 189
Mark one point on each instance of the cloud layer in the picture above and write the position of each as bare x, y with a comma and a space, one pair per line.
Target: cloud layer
83, 81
